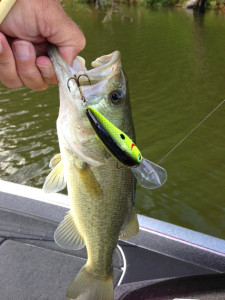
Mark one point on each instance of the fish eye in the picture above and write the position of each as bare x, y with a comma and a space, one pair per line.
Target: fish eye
116, 97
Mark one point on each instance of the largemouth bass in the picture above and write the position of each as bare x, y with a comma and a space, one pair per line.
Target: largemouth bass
100, 191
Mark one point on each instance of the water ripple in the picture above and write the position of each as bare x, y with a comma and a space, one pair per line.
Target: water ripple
174, 63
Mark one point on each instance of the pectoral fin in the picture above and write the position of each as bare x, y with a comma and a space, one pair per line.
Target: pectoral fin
55, 181
67, 236
131, 229
90, 183
55, 160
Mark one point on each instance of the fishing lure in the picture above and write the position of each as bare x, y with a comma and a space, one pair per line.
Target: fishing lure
148, 174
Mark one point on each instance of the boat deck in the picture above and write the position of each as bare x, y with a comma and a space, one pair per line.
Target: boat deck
32, 266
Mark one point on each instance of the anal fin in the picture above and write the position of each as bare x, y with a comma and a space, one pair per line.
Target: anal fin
131, 229
88, 181
67, 235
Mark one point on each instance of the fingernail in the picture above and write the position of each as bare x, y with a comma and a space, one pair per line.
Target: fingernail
1, 47
21, 50
45, 71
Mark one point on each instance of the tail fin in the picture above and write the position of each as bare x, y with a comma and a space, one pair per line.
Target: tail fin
87, 286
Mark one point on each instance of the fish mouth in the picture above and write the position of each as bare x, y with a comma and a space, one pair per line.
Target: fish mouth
104, 67
78, 88
94, 83
82, 82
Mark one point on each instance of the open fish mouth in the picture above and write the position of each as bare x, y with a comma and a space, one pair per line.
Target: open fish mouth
93, 84
86, 84
79, 88
104, 67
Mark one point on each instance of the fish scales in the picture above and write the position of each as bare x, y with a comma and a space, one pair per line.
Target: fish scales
100, 229
101, 192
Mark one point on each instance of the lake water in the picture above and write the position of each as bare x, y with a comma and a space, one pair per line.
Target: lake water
175, 64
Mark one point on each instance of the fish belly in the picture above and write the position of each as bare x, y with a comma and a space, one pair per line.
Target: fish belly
101, 201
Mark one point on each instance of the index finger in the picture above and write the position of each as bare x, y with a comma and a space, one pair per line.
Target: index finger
62, 31
46, 68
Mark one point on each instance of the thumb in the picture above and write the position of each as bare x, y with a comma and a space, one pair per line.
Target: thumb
61, 31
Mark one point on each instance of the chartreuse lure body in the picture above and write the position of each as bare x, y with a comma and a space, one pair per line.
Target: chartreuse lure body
148, 174
115, 140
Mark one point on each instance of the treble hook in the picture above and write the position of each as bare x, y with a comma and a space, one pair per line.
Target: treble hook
76, 79
81, 76
71, 78
78, 84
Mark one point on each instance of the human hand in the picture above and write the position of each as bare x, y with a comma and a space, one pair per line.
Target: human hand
24, 37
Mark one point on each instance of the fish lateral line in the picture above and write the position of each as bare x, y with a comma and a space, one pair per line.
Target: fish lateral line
89, 218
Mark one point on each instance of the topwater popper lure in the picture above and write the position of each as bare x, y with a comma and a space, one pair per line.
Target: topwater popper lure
148, 174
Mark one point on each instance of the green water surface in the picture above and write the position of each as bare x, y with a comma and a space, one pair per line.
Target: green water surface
175, 64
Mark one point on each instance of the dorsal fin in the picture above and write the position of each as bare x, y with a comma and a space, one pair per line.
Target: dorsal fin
131, 229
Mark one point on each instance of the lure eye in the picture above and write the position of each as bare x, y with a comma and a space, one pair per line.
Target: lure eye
122, 136
116, 97
139, 158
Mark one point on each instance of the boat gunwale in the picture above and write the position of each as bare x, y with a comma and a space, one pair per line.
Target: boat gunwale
155, 235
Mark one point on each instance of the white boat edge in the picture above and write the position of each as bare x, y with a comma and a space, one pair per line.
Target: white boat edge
153, 226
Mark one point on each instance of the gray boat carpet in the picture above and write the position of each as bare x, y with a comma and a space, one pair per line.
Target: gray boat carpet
32, 266
198, 287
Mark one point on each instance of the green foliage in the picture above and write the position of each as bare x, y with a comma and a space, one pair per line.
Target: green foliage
212, 3
217, 4
160, 3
